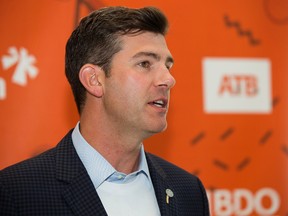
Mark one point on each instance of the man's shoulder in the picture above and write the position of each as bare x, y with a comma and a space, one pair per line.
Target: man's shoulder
36, 165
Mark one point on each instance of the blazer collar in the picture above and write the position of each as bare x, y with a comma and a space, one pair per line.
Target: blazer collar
160, 182
79, 193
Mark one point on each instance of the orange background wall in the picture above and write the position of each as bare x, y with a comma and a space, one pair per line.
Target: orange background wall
241, 158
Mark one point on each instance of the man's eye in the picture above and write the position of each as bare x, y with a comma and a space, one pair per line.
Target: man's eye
169, 67
145, 64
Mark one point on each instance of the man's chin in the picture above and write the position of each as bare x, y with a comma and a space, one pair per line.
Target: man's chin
157, 129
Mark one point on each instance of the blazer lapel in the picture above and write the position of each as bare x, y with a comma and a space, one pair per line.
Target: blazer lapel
82, 197
160, 184
79, 194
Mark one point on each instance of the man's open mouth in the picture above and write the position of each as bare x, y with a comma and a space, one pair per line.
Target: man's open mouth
159, 103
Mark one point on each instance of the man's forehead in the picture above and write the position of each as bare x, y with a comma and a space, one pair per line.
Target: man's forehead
145, 44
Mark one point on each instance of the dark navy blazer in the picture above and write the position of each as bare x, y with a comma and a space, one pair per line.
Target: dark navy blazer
56, 183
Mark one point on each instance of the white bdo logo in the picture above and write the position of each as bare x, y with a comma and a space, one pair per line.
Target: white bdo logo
243, 202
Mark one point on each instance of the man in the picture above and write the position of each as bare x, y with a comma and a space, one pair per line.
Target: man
118, 66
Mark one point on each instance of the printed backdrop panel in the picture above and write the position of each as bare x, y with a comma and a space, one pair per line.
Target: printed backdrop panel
227, 117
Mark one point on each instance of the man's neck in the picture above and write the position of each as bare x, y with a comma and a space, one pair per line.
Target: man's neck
121, 151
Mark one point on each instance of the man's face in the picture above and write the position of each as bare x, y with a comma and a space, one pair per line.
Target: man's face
136, 95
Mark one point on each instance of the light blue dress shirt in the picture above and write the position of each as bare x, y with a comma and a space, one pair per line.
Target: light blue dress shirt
101, 172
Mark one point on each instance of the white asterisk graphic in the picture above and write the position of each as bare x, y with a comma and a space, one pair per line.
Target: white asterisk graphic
24, 68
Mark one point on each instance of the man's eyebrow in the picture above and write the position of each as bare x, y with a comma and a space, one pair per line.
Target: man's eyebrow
169, 59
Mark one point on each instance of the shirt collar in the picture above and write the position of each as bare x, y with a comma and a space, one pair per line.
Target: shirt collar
98, 168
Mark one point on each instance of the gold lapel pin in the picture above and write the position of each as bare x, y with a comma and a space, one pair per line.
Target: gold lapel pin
169, 193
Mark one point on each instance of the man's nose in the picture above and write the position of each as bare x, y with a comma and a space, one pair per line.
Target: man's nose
167, 79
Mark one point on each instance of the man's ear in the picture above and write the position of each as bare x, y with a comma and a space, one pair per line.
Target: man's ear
89, 76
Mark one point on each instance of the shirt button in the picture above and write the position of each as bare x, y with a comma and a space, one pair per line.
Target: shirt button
120, 177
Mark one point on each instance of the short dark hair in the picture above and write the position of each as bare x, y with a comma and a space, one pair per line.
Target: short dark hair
96, 40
